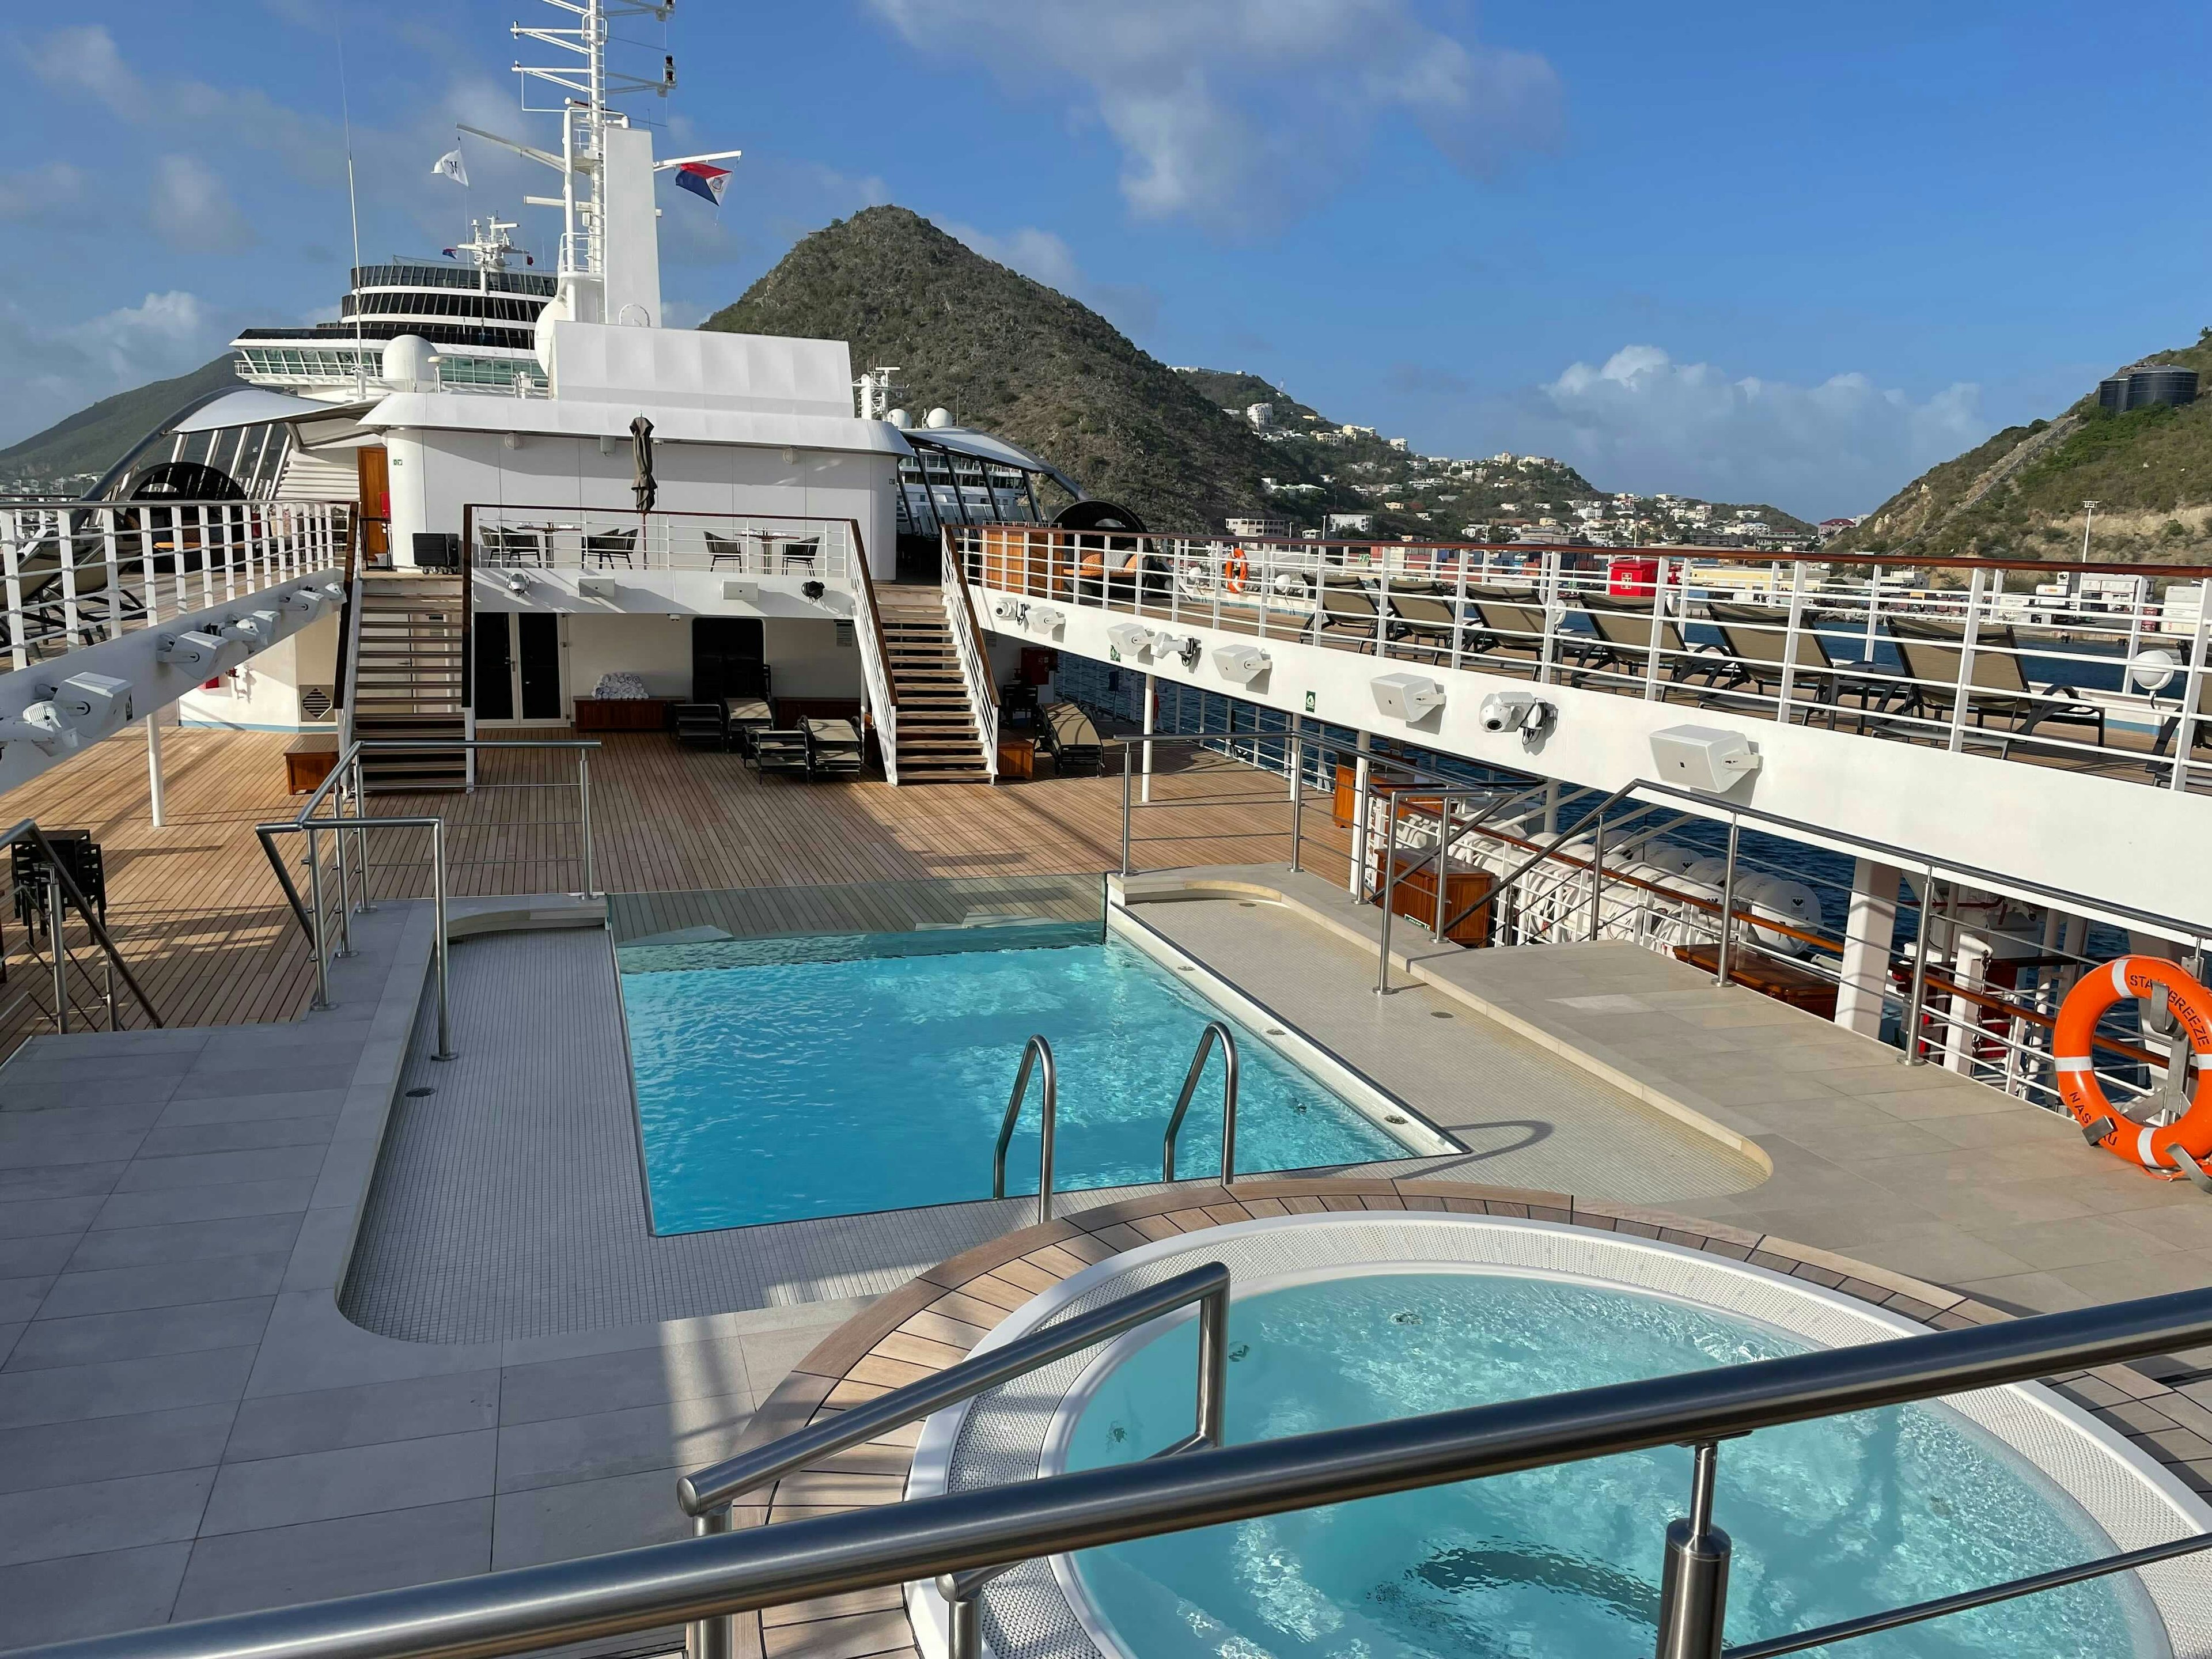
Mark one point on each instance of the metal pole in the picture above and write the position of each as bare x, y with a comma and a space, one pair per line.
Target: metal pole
1920, 945
715, 1638
1045, 1135
1728, 906
315, 915
964, 1618
345, 885
1693, 1585
584, 816
437, 905
1125, 809
54, 941
1150, 695
1389, 888
1297, 792
1227, 1141
1362, 788
360, 835
1214, 1367
1597, 878
1444, 863
154, 792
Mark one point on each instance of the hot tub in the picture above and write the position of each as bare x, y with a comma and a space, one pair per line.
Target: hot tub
1355, 1318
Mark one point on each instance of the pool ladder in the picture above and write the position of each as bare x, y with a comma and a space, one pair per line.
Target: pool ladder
1036, 1055
1215, 1032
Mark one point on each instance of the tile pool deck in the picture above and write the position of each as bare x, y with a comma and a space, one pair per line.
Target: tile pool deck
189, 1424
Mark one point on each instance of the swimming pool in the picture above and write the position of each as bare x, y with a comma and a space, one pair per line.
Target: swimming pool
1830, 1519
779, 1080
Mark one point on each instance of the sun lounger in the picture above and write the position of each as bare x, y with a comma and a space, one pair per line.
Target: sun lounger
1933, 652
1072, 739
834, 749
742, 717
701, 725
778, 749
1625, 630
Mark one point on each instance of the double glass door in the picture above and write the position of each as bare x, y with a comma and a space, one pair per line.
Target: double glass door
518, 666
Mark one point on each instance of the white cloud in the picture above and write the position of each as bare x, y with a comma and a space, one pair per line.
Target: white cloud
86, 60
191, 208
1043, 257
1643, 421
41, 194
1241, 115
52, 371
1037, 254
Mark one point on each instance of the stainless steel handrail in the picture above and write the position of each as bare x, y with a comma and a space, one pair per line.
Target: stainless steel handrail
1035, 1050
613, 1595
1215, 1032
708, 1495
436, 826
1443, 798
28, 828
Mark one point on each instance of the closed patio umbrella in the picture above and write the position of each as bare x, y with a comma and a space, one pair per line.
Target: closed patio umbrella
641, 435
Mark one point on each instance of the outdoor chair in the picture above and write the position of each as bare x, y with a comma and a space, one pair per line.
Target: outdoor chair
1756, 640
834, 749
744, 718
2200, 735
1071, 740
613, 545
510, 549
1346, 607
1624, 629
1427, 620
778, 749
1933, 652
722, 549
701, 725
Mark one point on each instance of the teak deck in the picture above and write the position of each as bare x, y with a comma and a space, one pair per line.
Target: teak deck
198, 915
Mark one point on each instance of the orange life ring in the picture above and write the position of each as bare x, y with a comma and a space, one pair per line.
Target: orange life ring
1234, 570
2155, 1146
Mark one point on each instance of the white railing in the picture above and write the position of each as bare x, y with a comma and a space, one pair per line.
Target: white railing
1935, 652
962, 621
605, 541
1957, 967
876, 670
75, 574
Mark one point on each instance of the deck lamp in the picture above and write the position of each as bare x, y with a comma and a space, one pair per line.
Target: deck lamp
1409, 697
1046, 619
1703, 757
1241, 662
1131, 639
196, 652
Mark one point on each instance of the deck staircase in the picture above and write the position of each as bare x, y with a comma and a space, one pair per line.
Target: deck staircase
405, 682
938, 742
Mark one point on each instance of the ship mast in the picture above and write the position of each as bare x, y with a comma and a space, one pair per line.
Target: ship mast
609, 269
583, 78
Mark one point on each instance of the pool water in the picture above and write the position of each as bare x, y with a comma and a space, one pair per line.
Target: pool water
1829, 1519
776, 1090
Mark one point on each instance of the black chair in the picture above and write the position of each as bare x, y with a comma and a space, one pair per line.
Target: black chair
612, 546
701, 725
30, 874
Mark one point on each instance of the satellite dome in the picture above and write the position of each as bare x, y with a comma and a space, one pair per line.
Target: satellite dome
938, 418
408, 366
901, 419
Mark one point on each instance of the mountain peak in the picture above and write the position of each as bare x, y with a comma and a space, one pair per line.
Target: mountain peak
1010, 356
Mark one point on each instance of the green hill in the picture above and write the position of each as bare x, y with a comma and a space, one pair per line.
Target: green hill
2021, 494
71, 454
1013, 357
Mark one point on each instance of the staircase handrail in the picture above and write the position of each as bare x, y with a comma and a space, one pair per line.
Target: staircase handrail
967, 645
875, 658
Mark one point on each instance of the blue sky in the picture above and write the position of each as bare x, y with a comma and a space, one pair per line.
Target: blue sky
1788, 252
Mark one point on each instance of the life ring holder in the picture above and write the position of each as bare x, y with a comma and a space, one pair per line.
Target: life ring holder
2168, 1150
1234, 571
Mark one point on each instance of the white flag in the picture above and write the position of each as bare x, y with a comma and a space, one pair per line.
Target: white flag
450, 165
